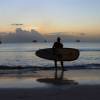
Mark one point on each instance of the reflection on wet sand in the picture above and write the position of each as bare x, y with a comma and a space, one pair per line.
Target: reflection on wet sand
58, 79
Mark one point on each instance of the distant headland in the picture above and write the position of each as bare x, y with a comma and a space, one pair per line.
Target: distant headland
33, 36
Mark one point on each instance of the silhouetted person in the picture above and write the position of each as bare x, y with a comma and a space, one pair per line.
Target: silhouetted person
57, 45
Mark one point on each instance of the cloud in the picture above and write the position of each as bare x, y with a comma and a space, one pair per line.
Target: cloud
23, 36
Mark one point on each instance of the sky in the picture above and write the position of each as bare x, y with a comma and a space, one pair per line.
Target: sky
47, 16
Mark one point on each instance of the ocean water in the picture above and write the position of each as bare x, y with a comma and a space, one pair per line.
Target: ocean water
23, 54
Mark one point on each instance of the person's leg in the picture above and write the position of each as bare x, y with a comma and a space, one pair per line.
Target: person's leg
55, 65
62, 65
56, 76
62, 74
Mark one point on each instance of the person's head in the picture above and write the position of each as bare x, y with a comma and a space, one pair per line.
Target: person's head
58, 39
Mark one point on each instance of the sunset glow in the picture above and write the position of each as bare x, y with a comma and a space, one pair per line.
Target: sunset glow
47, 16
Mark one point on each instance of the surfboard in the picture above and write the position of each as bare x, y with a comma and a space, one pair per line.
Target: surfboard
62, 54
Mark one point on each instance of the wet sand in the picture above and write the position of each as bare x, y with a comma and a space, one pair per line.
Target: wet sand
80, 92
51, 85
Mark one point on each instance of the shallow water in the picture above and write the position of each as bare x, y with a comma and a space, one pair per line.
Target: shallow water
23, 54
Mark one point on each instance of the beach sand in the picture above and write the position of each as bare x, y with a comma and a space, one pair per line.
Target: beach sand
49, 85
80, 92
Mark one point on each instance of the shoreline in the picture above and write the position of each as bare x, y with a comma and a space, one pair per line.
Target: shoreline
72, 67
